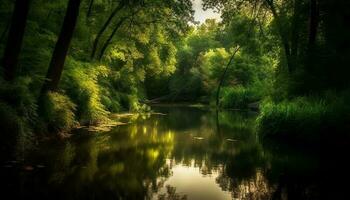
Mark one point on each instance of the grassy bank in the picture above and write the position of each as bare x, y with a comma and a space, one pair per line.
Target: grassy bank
306, 120
84, 100
239, 97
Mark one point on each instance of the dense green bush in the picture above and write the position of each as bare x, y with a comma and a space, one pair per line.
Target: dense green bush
81, 82
97, 91
18, 115
185, 87
238, 97
59, 112
304, 119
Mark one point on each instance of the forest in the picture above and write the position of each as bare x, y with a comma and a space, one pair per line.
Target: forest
72, 69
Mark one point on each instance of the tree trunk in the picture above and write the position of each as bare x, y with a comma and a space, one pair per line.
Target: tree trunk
15, 38
116, 28
314, 13
222, 78
108, 41
3, 34
283, 36
104, 27
295, 29
61, 49
88, 13
313, 26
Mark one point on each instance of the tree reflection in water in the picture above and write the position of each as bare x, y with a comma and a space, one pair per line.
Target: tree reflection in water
151, 157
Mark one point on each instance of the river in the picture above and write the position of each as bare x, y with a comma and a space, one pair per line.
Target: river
179, 152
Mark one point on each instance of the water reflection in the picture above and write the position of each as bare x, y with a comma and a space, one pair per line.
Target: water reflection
189, 153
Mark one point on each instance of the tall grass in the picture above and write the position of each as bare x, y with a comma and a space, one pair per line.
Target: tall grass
238, 97
18, 115
59, 112
304, 119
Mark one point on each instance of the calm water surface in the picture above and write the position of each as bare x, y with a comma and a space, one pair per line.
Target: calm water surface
184, 153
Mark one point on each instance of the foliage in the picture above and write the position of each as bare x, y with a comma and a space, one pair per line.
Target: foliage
143, 46
302, 37
204, 53
81, 84
18, 116
59, 112
304, 119
239, 97
124, 53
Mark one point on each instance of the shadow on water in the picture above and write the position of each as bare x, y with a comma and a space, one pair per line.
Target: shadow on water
189, 153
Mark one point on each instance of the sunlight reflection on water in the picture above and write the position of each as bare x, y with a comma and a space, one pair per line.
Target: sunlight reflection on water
190, 182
